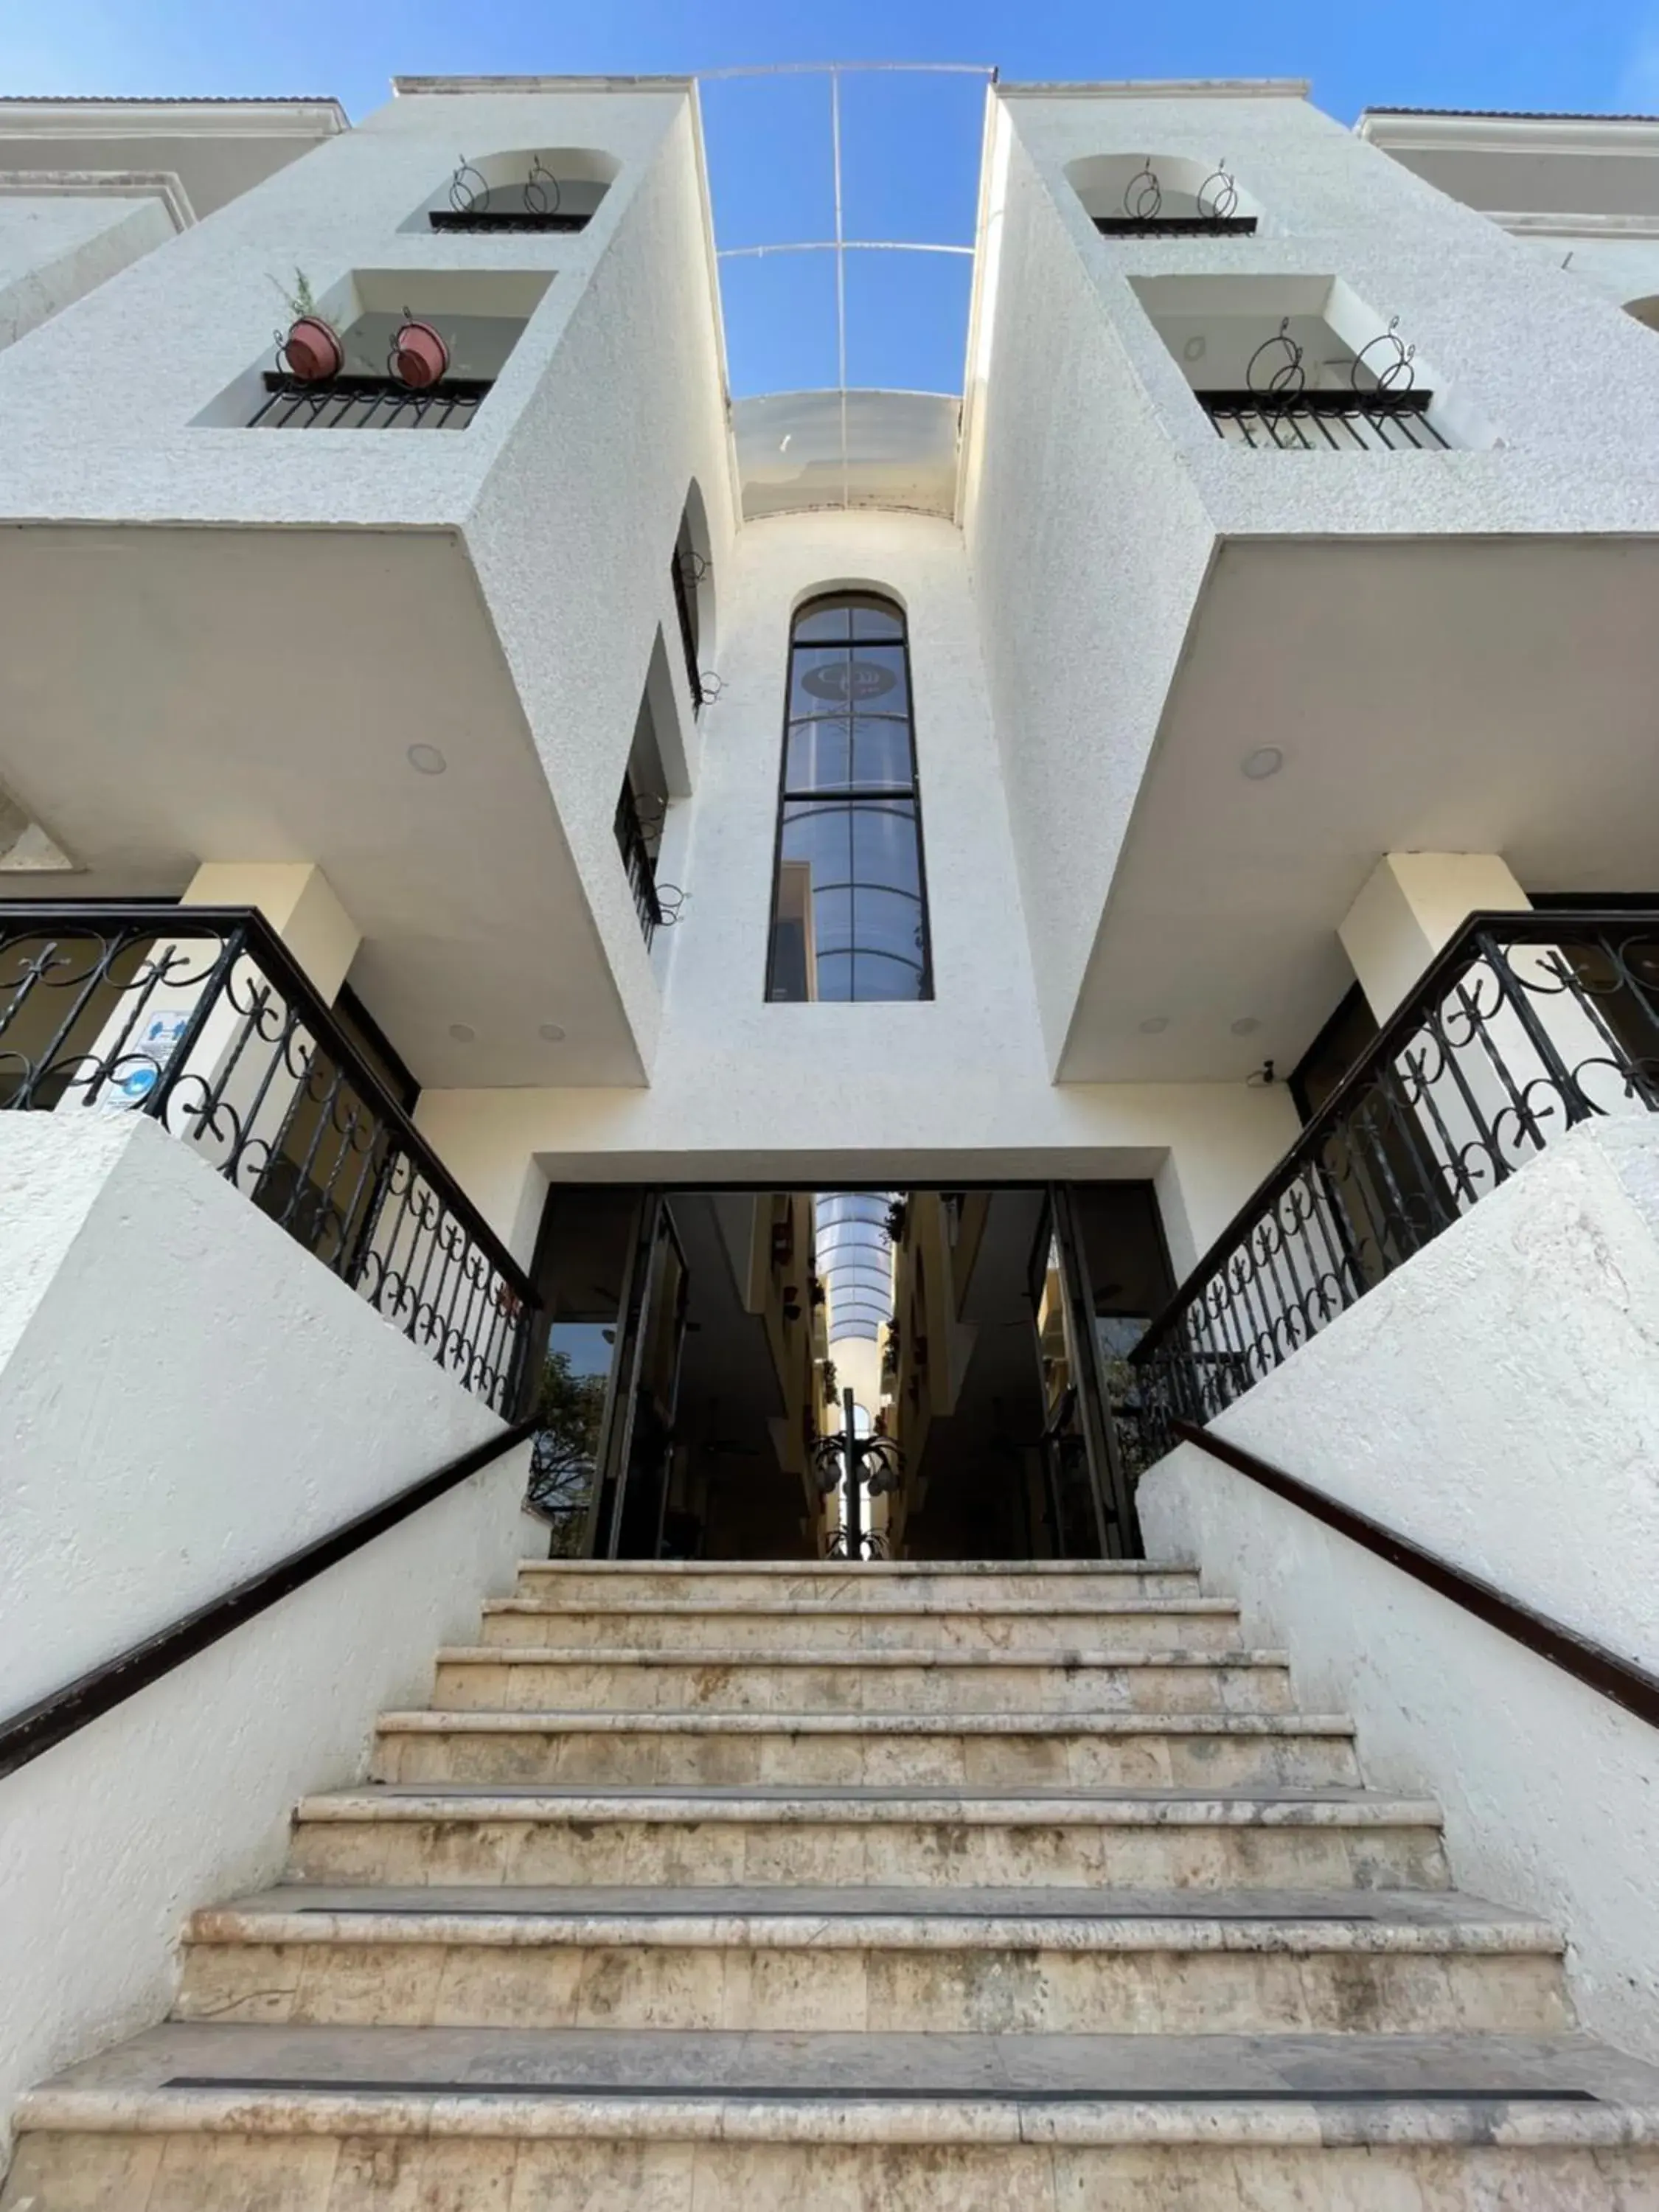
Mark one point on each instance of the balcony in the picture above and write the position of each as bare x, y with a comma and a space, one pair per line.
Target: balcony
1525, 1026
198, 1017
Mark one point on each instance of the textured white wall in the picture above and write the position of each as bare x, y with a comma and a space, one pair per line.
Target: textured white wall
56, 247
185, 1397
745, 1088
1497, 1400
1097, 491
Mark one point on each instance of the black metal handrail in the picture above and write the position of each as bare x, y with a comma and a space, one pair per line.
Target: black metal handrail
199, 1017
54, 1718
1617, 1679
1524, 1026
1176, 226
639, 860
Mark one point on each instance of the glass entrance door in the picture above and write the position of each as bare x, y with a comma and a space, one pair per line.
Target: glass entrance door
645, 1378
1087, 1509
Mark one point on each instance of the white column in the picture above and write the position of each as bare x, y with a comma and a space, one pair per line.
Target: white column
299, 903
1414, 903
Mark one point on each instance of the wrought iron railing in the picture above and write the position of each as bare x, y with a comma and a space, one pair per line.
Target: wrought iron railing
640, 861
366, 402
1176, 226
1526, 1025
1335, 421
198, 1018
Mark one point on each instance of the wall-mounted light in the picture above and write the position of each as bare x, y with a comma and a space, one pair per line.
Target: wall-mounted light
1264, 761
1155, 1025
463, 1032
426, 760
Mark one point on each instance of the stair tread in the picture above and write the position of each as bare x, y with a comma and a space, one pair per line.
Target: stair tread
436, 1720
1406, 1920
222, 2071
1067, 1656
873, 1571
1334, 1804
878, 1606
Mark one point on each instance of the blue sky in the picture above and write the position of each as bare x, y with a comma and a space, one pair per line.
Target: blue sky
910, 144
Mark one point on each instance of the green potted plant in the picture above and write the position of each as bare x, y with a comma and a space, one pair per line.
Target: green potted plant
313, 351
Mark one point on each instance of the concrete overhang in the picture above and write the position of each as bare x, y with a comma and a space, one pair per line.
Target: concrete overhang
216, 149
1493, 695
1528, 164
175, 695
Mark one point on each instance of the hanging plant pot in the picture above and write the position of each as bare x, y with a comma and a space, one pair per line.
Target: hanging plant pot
419, 355
312, 350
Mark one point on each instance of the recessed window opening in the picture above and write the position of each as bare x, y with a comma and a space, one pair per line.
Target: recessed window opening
550, 189
1297, 363
399, 348
1162, 195
849, 908
641, 810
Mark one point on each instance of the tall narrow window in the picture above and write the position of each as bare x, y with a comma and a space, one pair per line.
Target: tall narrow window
849, 910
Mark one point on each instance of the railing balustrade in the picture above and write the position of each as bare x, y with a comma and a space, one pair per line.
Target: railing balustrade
1525, 1025
198, 1018
639, 862
366, 402
685, 572
1335, 422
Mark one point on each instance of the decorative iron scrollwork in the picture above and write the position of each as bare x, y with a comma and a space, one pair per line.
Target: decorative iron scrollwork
541, 189
710, 685
1218, 196
1275, 370
1398, 372
1143, 195
464, 195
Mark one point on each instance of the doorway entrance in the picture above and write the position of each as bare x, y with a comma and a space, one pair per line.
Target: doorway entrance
702, 1346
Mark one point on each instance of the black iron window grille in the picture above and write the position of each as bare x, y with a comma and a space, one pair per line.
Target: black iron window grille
1213, 214
198, 1017
686, 571
639, 831
849, 904
1379, 410
1327, 422
533, 204
366, 402
1525, 1026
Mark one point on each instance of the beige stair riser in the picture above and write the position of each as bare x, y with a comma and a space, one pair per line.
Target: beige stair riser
576, 1587
628, 1629
923, 1853
755, 1686
1180, 1761
419, 2172
978, 1991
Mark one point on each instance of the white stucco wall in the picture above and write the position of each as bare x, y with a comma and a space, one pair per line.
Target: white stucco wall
185, 1397
1497, 1402
743, 1088
56, 247
1097, 492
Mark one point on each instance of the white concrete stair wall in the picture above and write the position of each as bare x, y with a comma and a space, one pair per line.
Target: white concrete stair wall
185, 1397
1497, 1400
791, 1939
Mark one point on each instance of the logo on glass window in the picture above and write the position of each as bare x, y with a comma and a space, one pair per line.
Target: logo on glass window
849, 681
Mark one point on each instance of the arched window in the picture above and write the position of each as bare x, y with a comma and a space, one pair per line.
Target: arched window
849, 909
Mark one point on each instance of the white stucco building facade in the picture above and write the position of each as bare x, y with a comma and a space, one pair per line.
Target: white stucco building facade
1072, 891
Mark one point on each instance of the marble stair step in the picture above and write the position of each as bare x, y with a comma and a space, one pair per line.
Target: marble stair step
799, 1678
945, 1582
701, 1623
885, 1960
311, 2119
1314, 1839
1216, 1750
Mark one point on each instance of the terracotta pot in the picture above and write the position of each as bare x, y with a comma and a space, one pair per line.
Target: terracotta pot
419, 355
312, 349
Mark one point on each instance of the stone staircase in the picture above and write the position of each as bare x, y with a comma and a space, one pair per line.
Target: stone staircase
879, 1889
